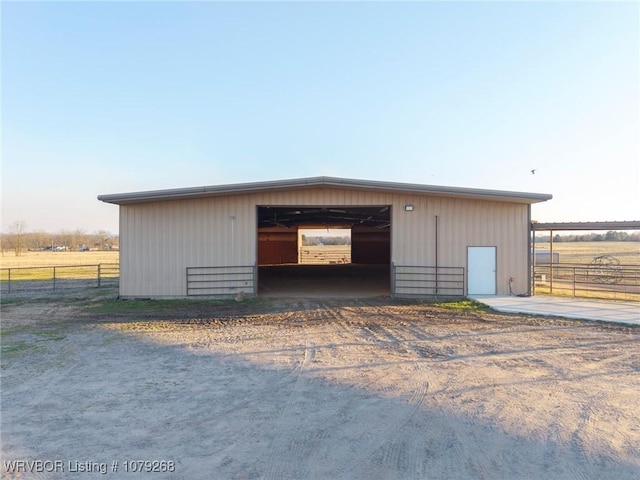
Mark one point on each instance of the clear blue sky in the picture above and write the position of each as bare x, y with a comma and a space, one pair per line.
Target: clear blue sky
116, 97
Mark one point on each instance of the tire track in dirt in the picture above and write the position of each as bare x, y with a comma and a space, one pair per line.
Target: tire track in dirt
386, 448
236, 341
320, 439
454, 432
581, 437
283, 447
463, 448
360, 354
396, 452
348, 324
291, 458
380, 437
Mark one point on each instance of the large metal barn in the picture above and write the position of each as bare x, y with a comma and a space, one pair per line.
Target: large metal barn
243, 239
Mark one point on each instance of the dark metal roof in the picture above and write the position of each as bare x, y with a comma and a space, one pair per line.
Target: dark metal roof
625, 225
331, 182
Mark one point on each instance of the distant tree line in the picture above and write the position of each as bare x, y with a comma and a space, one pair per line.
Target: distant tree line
18, 240
316, 241
593, 237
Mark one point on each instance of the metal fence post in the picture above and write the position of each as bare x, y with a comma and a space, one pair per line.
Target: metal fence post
99, 277
464, 281
393, 279
9, 282
255, 279
54, 278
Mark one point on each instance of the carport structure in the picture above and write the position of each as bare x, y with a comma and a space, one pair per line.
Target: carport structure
406, 239
626, 276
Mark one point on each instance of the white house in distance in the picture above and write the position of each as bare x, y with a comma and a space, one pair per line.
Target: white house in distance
406, 239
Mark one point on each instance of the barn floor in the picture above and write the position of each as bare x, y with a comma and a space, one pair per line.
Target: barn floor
343, 281
304, 388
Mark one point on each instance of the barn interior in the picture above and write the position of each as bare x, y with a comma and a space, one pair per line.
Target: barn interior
281, 271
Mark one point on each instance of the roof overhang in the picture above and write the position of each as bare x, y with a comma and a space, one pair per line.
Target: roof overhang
325, 182
571, 226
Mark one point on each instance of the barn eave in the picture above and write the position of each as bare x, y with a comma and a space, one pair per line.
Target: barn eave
323, 182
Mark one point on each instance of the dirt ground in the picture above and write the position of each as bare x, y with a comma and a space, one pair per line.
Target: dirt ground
326, 389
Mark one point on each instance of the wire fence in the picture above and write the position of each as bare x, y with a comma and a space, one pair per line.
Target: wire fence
58, 277
612, 281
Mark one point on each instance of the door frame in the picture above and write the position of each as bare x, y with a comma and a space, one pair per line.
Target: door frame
495, 268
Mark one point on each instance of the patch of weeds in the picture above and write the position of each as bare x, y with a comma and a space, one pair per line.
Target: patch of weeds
4, 332
110, 340
114, 306
55, 336
11, 300
19, 349
464, 305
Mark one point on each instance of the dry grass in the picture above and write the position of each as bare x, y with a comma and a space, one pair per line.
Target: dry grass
584, 252
570, 252
44, 259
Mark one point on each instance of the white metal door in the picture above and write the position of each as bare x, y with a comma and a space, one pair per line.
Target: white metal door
481, 270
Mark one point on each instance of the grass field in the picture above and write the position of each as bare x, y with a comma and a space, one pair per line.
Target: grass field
584, 252
575, 279
45, 259
69, 265
570, 252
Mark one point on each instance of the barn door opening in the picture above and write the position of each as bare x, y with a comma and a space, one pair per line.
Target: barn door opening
338, 250
481, 270
319, 246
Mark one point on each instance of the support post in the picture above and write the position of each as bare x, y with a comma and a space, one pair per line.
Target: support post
436, 254
551, 261
532, 284
255, 280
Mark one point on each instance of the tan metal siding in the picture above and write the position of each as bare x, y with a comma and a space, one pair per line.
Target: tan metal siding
164, 238
159, 240
462, 223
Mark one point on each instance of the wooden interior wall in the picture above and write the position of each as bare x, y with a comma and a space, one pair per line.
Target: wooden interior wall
370, 246
277, 246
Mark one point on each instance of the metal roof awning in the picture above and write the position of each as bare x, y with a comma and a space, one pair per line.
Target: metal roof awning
568, 226
327, 182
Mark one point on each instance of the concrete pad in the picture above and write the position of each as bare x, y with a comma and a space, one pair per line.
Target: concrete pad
579, 308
